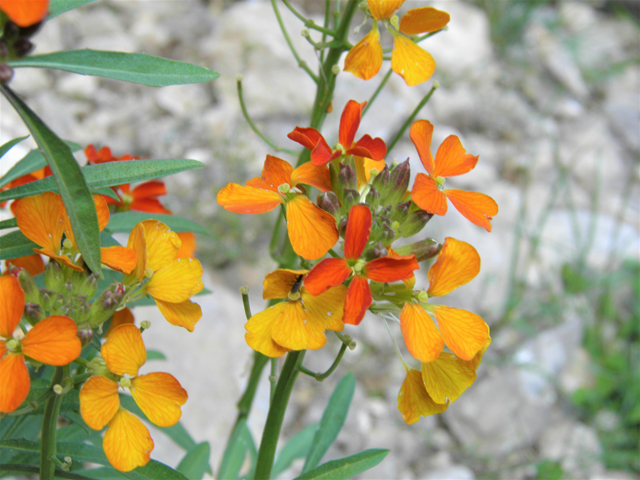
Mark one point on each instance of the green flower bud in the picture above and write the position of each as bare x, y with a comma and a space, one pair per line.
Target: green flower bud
28, 285
373, 198
387, 235
414, 223
423, 250
400, 212
33, 312
375, 251
347, 179
89, 286
85, 333
328, 201
350, 198
399, 181
53, 277
381, 182
105, 305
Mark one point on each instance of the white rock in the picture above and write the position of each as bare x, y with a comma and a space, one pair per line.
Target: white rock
455, 472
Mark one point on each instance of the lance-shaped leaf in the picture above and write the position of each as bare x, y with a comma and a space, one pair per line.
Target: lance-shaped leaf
346, 467
69, 179
129, 67
196, 462
125, 221
14, 245
9, 145
56, 7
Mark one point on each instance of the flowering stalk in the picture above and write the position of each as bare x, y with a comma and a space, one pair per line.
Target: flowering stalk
49, 428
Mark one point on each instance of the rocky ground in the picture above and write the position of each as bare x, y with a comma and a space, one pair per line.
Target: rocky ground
553, 114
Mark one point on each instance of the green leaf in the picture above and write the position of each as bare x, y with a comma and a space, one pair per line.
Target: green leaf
56, 7
236, 451
125, 221
14, 245
108, 175
103, 473
7, 146
297, 447
332, 420
107, 192
196, 462
129, 67
346, 467
71, 184
155, 355
8, 223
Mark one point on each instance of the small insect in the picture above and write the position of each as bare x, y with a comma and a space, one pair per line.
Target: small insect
298, 283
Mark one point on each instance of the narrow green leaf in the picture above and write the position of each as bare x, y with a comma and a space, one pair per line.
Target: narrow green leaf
155, 355
14, 245
103, 473
297, 447
57, 7
7, 146
8, 223
332, 420
236, 452
125, 221
107, 192
108, 175
196, 462
346, 467
129, 67
71, 184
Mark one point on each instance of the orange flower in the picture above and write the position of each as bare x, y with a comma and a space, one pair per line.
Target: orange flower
31, 263
28, 178
25, 13
104, 155
43, 220
312, 231
408, 60
188, 247
333, 271
127, 443
321, 153
120, 317
171, 280
451, 160
297, 323
53, 341
465, 333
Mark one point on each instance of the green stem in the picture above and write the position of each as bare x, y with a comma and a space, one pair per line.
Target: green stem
409, 120
308, 22
327, 17
378, 90
322, 376
244, 291
49, 428
275, 417
273, 378
346, 339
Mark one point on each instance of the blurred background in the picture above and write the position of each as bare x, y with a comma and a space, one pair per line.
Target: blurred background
547, 93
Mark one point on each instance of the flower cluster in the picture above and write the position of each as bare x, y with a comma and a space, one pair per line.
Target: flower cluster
368, 204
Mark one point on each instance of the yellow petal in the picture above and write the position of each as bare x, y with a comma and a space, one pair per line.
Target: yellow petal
124, 350
279, 283
458, 263
447, 377
296, 329
121, 259
312, 231
160, 397
383, 9
410, 61
161, 243
127, 443
364, 60
423, 20
259, 328
421, 336
328, 307
414, 401
465, 333
138, 244
99, 401
40, 219
184, 314
177, 281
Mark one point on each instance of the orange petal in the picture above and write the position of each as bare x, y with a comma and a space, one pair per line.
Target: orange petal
364, 60
368, 147
312, 231
137, 242
124, 350
476, 207
426, 195
177, 281
465, 333
25, 13
357, 232
414, 401
40, 219
349, 122
63, 259
99, 401
276, 172
311, 174
188, 247
383, 9
31, 263
364, 166
326, 274
120, 317
259, 328
421, 133
391, 269
3, 348
279, 283
458, 263
184, 314
160, 396
452, 159
328, 306
149, 205
295, 329
127, 443
421, 336
410, 61
150, 189
358, 300
121, 259
447, 377
238, 199
321, 152
11, 305
102, 211
53, 341
161, 244
14, 382
423, 20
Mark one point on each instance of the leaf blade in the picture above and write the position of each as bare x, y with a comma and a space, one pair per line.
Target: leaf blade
346, 467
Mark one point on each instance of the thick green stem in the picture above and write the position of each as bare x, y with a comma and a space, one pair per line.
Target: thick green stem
49, 429
275, 417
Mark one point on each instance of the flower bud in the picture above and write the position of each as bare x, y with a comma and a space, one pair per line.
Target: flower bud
381, 181
399, 181
350, 198
6, 73
33, 312
375, 251
22, 47
85, 334
423, 250
414, 223
373, 198
347, 179
328, 201
89, 286
400, 212
53, 277
387, 235
105, 305
28, 285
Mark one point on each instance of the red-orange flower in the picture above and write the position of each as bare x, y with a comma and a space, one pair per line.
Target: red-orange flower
53, 341
408, 60
25, 13
28, 178
312, 231
31, 263
333, 271
322, 153
451, 160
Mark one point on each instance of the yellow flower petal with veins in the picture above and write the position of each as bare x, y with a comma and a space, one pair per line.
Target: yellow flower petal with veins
296, 329
364, 60
458, 263
410, 61
184, 314
465, 333
423, 20
447, 377
328, 307
99, 401
259, 328
279, 283
124, 350
160, 397
176, 281
421, 336
53, 341
137, 243
127, 443
162, 244
384, 9
40, 219
414, 401
312, 231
